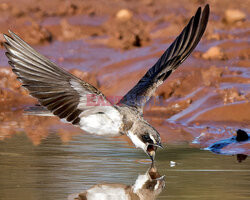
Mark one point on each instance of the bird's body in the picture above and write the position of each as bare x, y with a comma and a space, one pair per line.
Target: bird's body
146, 187
102, 124
76, 101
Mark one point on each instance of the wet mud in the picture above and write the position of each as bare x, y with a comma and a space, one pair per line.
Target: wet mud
111, 44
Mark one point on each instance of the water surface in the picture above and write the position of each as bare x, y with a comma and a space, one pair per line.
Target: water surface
53, 170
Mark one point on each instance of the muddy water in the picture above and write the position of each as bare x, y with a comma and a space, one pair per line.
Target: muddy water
54, 170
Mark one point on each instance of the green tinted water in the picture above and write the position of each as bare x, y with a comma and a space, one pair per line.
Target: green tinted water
54, 170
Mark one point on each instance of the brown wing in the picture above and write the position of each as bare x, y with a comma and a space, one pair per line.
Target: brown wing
178, 51
60, 92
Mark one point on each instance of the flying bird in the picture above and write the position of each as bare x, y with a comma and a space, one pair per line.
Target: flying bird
66, 96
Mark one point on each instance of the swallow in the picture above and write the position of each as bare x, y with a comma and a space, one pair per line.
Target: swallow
146, 187
76, 101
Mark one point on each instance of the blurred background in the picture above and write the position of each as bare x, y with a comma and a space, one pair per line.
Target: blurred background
111, 44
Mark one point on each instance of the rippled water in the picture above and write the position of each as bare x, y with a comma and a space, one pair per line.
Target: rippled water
54, 170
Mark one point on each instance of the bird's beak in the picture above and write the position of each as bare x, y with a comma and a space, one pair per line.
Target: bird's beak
151, 154
160, 178
151, 151
158, 145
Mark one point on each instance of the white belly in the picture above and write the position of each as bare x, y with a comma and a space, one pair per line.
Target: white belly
103, 192
101, 124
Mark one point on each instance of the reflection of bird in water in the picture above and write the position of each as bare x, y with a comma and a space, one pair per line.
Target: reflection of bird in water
146, 187
81, 104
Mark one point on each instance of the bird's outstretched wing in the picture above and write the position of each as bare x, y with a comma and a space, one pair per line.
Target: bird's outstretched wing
178, 51
63, 94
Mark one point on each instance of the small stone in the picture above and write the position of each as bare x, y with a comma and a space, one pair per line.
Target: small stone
213, 53
4, 6
124, 14
233, 15
241, 135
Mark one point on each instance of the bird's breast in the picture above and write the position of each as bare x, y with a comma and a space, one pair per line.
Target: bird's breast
102, 124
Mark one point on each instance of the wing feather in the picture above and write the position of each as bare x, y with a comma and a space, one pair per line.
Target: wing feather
177, 53
60, 92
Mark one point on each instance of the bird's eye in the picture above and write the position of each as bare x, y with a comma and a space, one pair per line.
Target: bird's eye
146, 138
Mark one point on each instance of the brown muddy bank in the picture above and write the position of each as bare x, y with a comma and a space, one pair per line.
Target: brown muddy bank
111, 44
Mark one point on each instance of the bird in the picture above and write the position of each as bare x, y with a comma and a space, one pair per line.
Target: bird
146, 187
75, 101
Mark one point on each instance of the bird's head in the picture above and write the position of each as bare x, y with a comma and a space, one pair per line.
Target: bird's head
150, 184
144, 136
